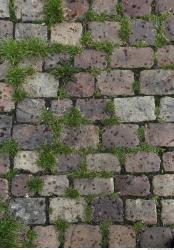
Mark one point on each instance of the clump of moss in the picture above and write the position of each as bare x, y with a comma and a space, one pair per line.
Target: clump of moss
138, 226
54, 12
35, 184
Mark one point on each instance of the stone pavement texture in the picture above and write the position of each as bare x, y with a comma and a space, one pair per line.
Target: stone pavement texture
87, 120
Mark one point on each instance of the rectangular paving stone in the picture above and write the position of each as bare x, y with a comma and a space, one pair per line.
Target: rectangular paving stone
101, 6
103, 162
30, 137
157, 82
60, 107
5, 127
41, 85
26, 161
142, 30
28, 10
47, 236
36, 63
3, 189
121, 236
4, 67
160, 134
115, 82
120, 136
4, 164
67, 33
30, 110
94, 186
129, 57
4, 8
166, 109
76, 9
142, 162
82, 137
93, 109
164, 6
6, 29
57, 59
169, 30
107, 209
83, 236
69, 162
132, 185
82, 85
90, 58
30, 210
135, 109
156, 237
135, 8
105, 32
141, 210
71, 210
163, 185
168, 161
167, 215
165, 55
6, 102
30, 30
54, 185
19, 187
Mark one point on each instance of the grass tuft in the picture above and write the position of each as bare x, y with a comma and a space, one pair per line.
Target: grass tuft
35, 184
10, 174
113, 120
125, 29
47, 160
62, 93
138, 226
61, 226
66, 72
110, 107
72, 193
104, 228
74, 118
19, 95
9, 147
89, 210
12, 11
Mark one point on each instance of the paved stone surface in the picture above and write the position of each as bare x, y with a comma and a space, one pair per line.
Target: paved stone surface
46, 237
167, 216
69, 162
132, 185
168, 161
105, 32
66, 33
157, 82
91, 58
60, 107
137, 7
5, 127
30, 137
142, 162
120, 136
101, 6
127, 57
83, 236
4, 163
141, 210
76, 9
169, 31
73, 136
30, 210
6, 29
82, 85
94, 186
54, 185
160, 134
37, 85
30, 110
135, 109
4, 9
156, 237
163, 185
29, 30
107, 208
115, 82
72, 210
4, 66
166, 109
164, 6
6, 102
3, 189
165, 56
26, 161
103, 162
122, 236
19, 186
57, 59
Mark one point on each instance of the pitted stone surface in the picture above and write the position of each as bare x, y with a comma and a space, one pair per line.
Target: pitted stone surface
164, 6
67, 33
30, 210
30, 110
103, 162
107, 208
101, 6
37, 85
132, 185
168, 161
135, 109
121, 136
6, 102
115, 82
4, 8
29, 30
121, 236
142, 162
71, 210
30, 137
60, 107
19, 186
4, 164
94, 186
54, 60
166, 109
163, 185
3, 189
105, 32
169, 30
54, 185
76, 9
83, 236
165, 56
167, 215
6, 29
137, 7
141, 210
46, 237
4, 66
69, 162
26, 161
5, 127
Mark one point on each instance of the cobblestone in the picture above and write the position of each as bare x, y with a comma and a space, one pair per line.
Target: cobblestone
46, 237
101, 6
6, 29
164, 6
26, 161
167, 216
168, 161
163, 185
5, 127
4, 9
3, 188
166, 109
137, 7
4, 164
69, 162
6, 102
19, 186
76, 9
60, 107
